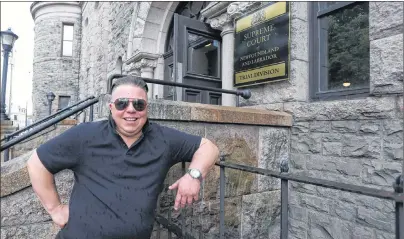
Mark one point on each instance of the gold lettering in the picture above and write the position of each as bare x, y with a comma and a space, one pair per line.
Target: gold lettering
261, 73
257, 33
259, 59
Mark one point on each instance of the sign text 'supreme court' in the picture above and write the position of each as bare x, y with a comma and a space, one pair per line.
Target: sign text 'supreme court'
262, 43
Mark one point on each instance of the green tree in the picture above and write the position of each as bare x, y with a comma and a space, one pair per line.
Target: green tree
348, 46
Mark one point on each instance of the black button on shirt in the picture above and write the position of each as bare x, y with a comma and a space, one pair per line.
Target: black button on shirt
116, 186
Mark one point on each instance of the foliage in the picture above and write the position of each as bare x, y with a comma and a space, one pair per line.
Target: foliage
348, 46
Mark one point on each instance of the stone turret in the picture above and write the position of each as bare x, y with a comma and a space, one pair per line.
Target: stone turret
56, 54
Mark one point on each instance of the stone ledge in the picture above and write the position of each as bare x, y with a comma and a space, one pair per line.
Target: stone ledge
184, 111
68, 122
14, 175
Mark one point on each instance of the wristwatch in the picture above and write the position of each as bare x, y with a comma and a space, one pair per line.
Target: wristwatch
195, 173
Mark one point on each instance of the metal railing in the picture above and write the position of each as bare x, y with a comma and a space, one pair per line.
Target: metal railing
31, 127
50, 122
397, 196
16, 133
246, 93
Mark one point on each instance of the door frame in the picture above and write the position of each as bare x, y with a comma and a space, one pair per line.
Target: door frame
182, 27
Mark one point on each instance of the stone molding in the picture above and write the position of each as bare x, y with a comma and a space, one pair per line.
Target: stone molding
233, 10
220, 21
41, 9
142, 55
141, 61
227, 29
145, 63
236, 9
214, 9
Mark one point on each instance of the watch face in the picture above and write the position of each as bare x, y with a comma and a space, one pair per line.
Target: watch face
194, 173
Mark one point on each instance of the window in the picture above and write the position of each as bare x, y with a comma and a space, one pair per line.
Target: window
63, 102
15, 117
339, 49
67, 42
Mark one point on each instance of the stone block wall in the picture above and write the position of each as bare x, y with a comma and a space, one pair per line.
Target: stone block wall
105, 34
252, 137
360, 150
96, 30
121, 16
356, 141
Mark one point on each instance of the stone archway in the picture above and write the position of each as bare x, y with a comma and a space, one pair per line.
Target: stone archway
149, 26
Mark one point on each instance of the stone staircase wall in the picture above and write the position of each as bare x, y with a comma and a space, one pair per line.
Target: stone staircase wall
34, 141
253, 137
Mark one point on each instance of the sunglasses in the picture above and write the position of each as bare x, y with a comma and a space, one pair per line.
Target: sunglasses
122, 103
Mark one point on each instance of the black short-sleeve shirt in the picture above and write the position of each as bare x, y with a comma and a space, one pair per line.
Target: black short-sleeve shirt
116, 187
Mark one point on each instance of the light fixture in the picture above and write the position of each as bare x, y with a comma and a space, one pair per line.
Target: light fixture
50, 96
8, 38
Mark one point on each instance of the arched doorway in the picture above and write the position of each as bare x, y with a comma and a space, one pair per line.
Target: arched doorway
192, 56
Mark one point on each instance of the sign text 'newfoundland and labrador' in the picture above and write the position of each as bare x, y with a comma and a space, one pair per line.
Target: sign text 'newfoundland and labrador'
262, 45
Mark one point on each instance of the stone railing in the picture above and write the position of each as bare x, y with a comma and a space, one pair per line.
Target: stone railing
254, 137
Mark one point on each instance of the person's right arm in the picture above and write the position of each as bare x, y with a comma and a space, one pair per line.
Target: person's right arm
43, 184
61, 152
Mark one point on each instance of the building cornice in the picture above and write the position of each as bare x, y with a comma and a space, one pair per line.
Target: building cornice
142, 55
236, 9
232, 11
214, 9
36, 6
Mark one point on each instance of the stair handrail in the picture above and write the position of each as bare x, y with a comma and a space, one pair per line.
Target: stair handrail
245, 93
9, 136
46, 125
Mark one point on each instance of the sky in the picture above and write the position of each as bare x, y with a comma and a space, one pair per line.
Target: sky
17, 16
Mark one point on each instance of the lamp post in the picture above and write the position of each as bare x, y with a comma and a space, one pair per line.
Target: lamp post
50, 96
7, 39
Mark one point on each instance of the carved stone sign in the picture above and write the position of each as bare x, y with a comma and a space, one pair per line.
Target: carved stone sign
262, 42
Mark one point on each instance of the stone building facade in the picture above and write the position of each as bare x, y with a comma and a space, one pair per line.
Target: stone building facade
355, 138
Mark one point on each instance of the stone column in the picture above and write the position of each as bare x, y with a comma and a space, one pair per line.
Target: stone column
227, 64
146, 67
224, 22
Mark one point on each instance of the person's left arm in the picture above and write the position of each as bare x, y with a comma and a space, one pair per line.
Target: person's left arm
187, 186
204, 156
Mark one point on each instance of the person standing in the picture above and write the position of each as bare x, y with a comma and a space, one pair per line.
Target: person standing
119, 168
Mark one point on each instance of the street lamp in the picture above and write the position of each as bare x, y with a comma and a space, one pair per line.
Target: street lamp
50, 96
7, 40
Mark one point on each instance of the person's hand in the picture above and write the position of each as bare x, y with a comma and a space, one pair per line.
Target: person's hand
60, 215
187, 191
